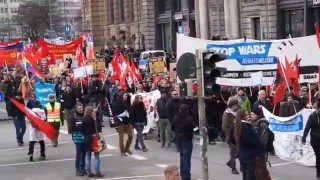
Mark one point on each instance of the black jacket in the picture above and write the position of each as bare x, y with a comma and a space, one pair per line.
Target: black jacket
183, 125
95, 90
89, 129
267, 104
173, 108
138, 113
68, 100
313, 124
162, 108
76, 122
16, 112
118, 108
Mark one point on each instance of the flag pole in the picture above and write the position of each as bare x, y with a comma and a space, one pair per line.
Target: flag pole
5, 62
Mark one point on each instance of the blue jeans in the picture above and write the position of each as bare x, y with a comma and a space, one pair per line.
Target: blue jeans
20, 125
80, 157
185, 148
96, 162
248, 169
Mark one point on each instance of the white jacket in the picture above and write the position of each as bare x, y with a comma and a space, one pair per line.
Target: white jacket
36, 135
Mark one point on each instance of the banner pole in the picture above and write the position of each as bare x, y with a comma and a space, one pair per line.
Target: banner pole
5, 62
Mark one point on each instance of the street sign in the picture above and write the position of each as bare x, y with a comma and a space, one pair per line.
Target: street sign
186, 30
67, 28
180, 30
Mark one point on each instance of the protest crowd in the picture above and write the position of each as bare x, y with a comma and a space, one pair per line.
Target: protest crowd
234, 114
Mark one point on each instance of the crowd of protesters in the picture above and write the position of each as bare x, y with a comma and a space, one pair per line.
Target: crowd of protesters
234, 115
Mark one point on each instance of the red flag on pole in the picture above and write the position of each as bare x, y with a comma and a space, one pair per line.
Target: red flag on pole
36, 121
80, 56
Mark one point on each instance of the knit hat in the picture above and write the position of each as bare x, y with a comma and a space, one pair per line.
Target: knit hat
258, 112
232, 101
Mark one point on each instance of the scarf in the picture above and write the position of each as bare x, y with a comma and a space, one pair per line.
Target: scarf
231, 112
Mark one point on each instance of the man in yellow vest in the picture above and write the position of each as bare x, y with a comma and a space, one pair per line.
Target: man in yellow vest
54, 116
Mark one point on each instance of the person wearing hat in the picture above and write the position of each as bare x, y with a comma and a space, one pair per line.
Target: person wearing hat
228, 119
54, 116
183, 126
261, 127
243, 100
19, 119
36, 135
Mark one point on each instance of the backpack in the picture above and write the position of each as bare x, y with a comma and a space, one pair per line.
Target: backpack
269, 146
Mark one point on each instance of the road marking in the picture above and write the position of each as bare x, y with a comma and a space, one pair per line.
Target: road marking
63, 132
110, 135
111, 147
48, 161
161, 165
134, 177
282, 164
3, 110
137, 157
15, 149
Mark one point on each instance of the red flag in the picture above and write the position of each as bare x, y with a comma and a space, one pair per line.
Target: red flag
316, 27
9, 56
114, 67
279, 93
124, 70
36, 121
318, 74
80, 56
290, 73
292, 77
279, 84
135, 72
296, 65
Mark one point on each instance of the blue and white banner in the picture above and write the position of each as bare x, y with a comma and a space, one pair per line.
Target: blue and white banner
288, 132
250, 56
42, 91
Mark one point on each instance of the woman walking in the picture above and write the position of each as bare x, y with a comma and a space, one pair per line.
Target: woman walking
89, 130
139, 119
249, 145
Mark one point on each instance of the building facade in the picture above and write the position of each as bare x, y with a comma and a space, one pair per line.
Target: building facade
9, 28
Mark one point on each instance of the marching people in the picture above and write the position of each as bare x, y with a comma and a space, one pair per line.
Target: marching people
54, 116
78, 138
183, 125
173, 109
89, 130
313, 126
8, 88
36, 135
243, 100
68, 102
138, 116
163, 122
19, 119
121, 110
228, 120
289, 107
262, 101
248, 144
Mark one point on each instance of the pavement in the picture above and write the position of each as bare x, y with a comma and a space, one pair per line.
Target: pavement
59, 165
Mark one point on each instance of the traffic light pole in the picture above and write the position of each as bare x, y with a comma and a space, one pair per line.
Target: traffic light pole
202, 118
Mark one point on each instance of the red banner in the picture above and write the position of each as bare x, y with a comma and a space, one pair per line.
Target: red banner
54, 51
4, 44
9, 56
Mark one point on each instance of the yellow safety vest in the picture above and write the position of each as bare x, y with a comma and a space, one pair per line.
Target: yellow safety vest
53, 116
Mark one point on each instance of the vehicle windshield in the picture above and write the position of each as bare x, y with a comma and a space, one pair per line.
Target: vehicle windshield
152, 54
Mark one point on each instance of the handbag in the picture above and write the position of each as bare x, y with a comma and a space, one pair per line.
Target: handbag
98, 142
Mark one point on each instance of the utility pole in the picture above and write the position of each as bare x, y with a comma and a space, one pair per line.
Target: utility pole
196, 2
204, 19
202, 118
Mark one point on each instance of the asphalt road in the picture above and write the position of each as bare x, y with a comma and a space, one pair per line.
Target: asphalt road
59, 165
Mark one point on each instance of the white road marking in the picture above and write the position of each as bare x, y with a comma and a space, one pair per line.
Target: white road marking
282, 164
64, 132
3, 110
47, 161
110, 135
111, 147
161, 165
134, 177
137, 157
15, 149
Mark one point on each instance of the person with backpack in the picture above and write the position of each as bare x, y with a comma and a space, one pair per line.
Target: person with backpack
261, 127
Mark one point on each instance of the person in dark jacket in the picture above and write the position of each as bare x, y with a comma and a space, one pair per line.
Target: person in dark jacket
89, 123
76, 129
68, 102
262, 101
95, 89
313, 125
19, 119
163, 122
8, 90
249, 145
121, 110
138, 116
173, 109
183, 125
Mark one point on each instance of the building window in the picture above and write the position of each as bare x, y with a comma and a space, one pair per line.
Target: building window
293, 21
191, 5
131, 11
256, 28
121, 10
177, 5
164, 5
111, 10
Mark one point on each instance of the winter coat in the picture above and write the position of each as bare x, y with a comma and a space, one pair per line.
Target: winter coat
267, 104
244, 103
77, 127
313, 124
36, 135
16, 112
118, 108
68, 100
173, 108
95, 91
287, 110
183, 125
89, 130
138, 113
228, 122
162, 108
261, 128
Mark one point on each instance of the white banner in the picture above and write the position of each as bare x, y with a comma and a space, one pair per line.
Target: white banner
246, 57
288, 132
149, 100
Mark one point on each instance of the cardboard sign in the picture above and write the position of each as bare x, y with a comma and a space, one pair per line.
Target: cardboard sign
55, 69
82, 71
157, 67
97, 64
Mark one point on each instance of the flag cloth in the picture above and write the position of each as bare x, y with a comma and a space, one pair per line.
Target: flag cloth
80, 56
36, 75
316, 27
135, 72
9, 56
292, 78
114, 66
279, 84
36, 121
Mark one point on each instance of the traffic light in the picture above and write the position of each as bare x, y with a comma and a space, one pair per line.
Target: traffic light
210, 72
